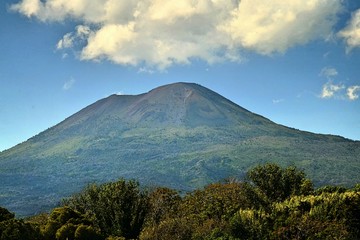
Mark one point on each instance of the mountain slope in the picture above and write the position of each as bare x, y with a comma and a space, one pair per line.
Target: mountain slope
180, 135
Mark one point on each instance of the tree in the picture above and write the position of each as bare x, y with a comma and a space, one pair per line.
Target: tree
171, 228
66, 223
118, 208
250, 224
5, 214
15, 229
220, 200
84, 232
278, 183
163, 203
66, 232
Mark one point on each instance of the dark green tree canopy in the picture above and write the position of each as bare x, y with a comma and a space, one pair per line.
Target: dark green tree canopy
5, 214
67, 223
118, 208
278, 183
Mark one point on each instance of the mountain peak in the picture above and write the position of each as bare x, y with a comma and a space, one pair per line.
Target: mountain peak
186, 104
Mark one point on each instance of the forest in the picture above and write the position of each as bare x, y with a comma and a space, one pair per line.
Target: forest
272, 202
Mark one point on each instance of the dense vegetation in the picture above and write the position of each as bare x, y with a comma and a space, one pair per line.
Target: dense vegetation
273, 203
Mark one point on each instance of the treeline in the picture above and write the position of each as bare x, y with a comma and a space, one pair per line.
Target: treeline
272, 203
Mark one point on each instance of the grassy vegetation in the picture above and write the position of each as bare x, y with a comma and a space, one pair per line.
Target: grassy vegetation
178, 157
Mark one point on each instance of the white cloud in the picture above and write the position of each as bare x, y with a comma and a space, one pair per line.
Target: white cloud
274, 27
68, 84
66, 41
351, 33
29, 8
331, 90
160, 33
69, 39
334, 90
352, 92
339, 91
146, 70
328, 72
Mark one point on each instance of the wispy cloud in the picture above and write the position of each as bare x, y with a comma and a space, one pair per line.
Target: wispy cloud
277, 101
70, 39
330, 90
64, 55
328, 72
161, 33
146, 70
339, 91
352, 92
68, 84
351, 33
66, 41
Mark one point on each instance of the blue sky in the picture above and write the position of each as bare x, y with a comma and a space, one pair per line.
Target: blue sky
295, 62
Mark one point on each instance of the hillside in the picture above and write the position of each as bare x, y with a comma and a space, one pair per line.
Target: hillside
181, 135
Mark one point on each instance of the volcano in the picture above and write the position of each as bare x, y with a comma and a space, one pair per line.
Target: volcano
181, 135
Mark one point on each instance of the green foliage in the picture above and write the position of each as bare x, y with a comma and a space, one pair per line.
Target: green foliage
220, 201
15, 229
329, 215
65, 223
66, 231
325, 216
204, 214
163, 203
5, 214
240, 211
277, 183
115, 238
118, 208
84, 232
250, 224
357, 187
330, 189
172, 228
